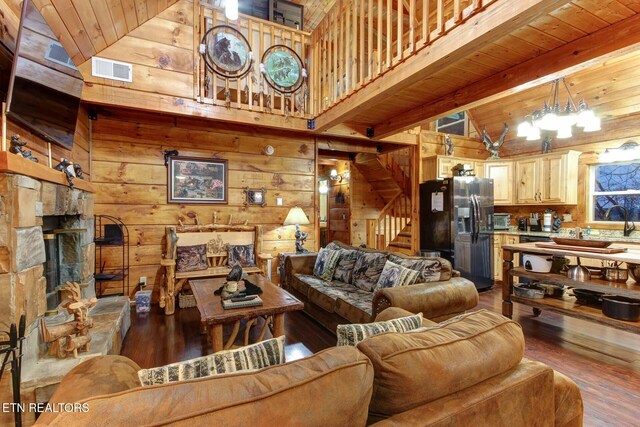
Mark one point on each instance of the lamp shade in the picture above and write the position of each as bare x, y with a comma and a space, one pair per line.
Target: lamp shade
296, 216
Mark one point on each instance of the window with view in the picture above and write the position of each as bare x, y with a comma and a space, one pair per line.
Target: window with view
455, 124
615, 184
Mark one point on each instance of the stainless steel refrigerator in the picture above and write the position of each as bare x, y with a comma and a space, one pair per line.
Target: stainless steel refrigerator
456, 219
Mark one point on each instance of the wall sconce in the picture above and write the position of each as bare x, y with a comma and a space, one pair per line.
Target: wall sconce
323, 188
231, 9
334, 176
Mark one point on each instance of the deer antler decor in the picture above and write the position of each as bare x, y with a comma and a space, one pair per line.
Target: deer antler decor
494, 147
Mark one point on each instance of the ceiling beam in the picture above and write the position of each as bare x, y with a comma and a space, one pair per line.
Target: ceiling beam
499, 19
613, 41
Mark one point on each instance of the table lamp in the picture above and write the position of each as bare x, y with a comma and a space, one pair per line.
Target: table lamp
296, 217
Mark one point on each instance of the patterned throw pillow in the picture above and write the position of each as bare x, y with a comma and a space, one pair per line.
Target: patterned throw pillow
241, 254
396, 275
249, 358
191, 258
346, 263
429, 269
367, 270
354, 333
325, 264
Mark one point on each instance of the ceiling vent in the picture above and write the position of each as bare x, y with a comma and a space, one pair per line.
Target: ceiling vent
57, 54
109, 69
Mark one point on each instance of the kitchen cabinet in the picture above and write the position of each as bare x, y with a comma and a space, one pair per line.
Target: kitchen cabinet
550, 178
502, 174
436, 167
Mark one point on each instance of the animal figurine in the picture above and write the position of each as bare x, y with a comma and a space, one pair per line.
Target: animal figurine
494, 147
64, 167
17, 147
235, 274
300, 236
448, 145
78, 170
546, 145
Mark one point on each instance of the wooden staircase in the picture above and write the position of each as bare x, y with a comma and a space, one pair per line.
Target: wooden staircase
391, 176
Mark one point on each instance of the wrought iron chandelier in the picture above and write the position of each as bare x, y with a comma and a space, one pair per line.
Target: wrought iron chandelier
559, 117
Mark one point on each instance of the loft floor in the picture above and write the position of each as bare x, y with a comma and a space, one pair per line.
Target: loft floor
604, 362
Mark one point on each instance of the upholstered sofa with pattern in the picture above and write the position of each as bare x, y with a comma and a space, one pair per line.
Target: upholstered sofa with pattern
351, 296
466, 371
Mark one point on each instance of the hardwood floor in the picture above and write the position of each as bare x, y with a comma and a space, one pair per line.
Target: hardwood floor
604, 362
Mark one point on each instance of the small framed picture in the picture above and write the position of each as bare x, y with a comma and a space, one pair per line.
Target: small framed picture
255, 196
197, 180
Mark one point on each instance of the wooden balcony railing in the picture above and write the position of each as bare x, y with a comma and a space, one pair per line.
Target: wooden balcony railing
359, 40
392, 220
252, 92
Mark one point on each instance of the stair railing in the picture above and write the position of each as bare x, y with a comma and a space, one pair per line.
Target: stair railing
399, 163
393, 218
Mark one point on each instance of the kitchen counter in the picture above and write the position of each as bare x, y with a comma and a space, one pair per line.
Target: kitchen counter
609, 235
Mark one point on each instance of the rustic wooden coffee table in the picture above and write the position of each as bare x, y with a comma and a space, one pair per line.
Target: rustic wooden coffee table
213, 316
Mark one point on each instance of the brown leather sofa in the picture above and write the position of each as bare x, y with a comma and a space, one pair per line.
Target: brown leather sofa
337, 303
467, 371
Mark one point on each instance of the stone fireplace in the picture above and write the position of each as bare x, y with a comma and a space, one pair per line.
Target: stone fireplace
47, 238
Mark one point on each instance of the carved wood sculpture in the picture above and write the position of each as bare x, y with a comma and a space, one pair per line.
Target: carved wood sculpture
72, 336
494, 147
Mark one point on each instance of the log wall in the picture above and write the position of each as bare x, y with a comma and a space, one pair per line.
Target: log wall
131, 178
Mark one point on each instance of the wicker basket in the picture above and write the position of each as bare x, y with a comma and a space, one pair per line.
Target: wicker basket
186, 300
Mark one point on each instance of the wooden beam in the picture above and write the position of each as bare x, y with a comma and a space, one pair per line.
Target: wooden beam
496, 21
610, 42
358, 131
145, 101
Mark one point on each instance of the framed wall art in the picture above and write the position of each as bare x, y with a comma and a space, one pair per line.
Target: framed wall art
197, 180
255, 196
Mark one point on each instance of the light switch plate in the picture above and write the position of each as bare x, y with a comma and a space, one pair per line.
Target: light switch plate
279, 201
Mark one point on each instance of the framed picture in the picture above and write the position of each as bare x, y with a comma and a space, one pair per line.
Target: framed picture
283, 68
227, 52
255, 196
197, 180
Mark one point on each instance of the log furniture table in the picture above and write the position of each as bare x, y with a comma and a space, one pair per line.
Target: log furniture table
276, 302
568, 305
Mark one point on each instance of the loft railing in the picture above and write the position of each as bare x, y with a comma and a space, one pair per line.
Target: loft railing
251, 92
359, 40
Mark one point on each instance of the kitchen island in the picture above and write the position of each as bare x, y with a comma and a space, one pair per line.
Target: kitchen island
568, 305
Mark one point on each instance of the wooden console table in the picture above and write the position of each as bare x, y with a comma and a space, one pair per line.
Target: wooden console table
568, 305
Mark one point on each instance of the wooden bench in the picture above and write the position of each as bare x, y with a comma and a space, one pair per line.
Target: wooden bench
216, 237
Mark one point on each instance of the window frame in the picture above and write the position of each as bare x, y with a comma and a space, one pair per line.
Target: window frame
592, 193
443, 128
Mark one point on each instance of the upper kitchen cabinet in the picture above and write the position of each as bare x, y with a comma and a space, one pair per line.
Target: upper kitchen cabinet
550, 178
501, 172
436, 167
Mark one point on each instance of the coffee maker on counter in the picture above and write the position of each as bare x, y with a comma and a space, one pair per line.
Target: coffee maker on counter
522, 224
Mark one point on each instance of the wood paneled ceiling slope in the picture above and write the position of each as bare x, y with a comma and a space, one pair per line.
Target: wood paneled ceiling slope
87, 27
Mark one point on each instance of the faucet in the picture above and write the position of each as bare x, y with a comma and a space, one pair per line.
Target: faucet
627, 229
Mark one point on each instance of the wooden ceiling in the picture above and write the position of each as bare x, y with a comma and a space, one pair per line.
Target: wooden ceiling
87, 27
448, 89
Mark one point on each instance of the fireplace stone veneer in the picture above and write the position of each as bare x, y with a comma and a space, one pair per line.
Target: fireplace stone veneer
24, 203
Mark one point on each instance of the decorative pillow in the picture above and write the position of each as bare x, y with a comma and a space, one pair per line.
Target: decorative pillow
344, 268
325, 263
429, 269
191, 258
241, 254
248, 358
367, 270
354, 333
396, 275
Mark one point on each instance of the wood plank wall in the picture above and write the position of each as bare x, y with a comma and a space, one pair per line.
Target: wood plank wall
614, 133
366, 203
132, 180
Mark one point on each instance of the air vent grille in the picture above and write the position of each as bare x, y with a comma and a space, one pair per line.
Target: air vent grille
57, 54
109, 69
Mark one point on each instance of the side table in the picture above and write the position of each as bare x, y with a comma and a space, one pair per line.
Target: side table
284, 255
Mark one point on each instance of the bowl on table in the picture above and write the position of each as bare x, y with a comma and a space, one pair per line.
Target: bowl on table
588, 297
